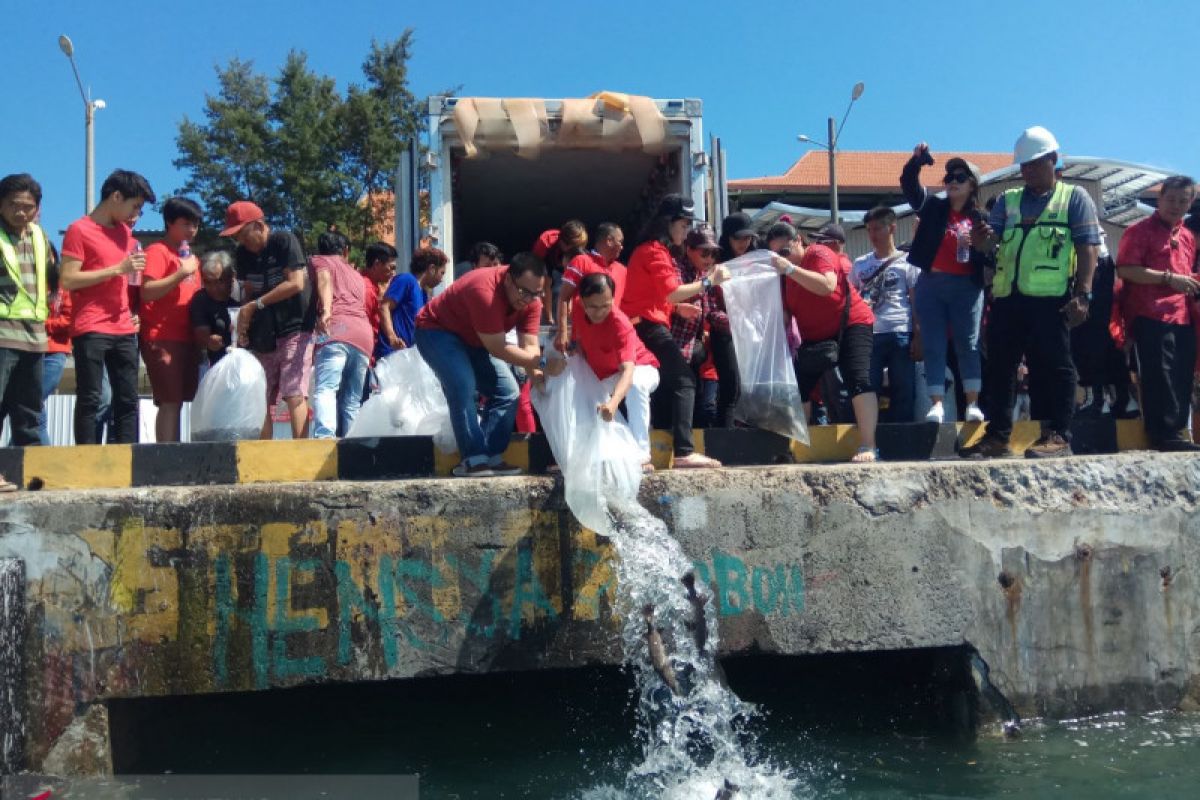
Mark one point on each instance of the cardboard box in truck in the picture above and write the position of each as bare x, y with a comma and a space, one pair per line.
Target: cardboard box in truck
504, 170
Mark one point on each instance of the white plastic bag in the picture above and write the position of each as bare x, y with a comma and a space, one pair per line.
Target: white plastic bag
231, 401
770, 398
409, 402
600, 461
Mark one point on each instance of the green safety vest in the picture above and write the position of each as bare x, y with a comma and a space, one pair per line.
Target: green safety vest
24, 306
1041, 256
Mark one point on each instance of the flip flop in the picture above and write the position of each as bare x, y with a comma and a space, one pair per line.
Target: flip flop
866, 455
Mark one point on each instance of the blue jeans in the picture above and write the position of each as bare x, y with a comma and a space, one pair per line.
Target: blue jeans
466, 372
52, 370
340, 370
953, 303
891, 350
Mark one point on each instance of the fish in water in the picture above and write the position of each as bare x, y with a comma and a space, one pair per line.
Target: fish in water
658, 652
727, 791
699, 624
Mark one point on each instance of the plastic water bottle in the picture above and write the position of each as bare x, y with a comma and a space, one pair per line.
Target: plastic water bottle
963, 232
185, 251
135, 278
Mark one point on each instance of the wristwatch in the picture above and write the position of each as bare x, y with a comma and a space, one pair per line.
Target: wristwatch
258, 303
705, 283
542, 363
1085, 295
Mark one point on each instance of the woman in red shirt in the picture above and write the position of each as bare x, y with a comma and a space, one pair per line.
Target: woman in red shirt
819, 297
652, 292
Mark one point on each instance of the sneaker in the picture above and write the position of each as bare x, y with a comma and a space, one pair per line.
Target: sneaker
504, 468
695, 461
987, 447
1177, 446
477, 471
1051, 445
973, 413
7, 485
936, 413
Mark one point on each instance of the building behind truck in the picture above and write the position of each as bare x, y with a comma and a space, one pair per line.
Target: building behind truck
506, 169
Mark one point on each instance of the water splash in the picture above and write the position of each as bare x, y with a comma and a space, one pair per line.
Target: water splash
699, 736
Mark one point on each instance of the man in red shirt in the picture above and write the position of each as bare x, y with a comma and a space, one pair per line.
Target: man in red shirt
461, 335
615, 353
1155, 260
167, 343
99, 254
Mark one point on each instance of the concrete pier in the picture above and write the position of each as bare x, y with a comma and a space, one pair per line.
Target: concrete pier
1075, 580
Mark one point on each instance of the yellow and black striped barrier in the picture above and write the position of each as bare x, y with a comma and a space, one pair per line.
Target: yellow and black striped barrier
395, 458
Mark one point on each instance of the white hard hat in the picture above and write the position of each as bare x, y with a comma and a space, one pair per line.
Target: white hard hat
1032, 144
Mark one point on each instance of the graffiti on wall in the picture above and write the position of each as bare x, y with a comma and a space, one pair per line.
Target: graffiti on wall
281, 603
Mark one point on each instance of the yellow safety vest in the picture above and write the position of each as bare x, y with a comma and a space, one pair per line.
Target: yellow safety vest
24, 306
1041, 256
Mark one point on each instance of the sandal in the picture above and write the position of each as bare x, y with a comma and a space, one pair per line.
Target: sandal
866, 455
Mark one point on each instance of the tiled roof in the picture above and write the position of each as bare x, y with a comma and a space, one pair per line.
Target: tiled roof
860, 170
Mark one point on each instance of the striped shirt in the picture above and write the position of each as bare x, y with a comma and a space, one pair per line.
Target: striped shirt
17, 334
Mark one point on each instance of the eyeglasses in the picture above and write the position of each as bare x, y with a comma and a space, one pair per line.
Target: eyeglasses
956, 177
525, 294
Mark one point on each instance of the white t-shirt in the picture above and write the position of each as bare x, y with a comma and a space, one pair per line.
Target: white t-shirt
887, 295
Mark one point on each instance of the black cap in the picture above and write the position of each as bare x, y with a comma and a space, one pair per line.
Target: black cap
957, 164
675, 207
830, 232
737, 225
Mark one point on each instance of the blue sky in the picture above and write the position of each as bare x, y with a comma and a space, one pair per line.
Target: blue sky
1106, 77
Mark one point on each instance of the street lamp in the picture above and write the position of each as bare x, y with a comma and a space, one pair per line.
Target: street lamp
89, 114
831, 146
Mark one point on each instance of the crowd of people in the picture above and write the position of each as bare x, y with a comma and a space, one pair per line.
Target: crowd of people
1016, 296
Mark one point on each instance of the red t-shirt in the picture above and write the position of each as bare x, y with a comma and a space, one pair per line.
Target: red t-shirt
946, 258
650, 278
58, 324
476, 303
371, 305
348, 321
609, 344
103, 308
1148, 244
167, 319
818, 318
586, 263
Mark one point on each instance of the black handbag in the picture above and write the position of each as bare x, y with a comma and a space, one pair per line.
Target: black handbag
818, 358
262, 331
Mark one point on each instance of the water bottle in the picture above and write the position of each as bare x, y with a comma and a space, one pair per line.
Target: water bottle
963, 232
135, 278
185, 251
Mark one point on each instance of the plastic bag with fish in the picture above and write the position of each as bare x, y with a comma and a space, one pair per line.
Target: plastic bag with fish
409, 402
231, 401
770, 398
600, 461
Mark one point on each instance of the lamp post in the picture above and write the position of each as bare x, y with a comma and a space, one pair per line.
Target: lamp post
834, 133
90, 107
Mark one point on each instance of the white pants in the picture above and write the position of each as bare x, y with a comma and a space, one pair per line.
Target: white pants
637, 402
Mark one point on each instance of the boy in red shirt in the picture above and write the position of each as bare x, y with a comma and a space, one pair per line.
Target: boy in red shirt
98, 255
167, 344
615, 353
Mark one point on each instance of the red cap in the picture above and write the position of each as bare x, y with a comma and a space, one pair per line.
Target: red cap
544, 242
238, 215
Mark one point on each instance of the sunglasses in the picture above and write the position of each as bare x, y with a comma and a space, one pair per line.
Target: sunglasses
956, 177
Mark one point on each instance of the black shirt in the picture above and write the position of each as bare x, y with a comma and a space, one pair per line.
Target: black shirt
214, 315
261, 272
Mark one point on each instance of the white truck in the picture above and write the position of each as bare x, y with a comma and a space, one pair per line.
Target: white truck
504, 170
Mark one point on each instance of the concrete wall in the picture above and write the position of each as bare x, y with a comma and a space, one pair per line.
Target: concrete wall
145, 592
